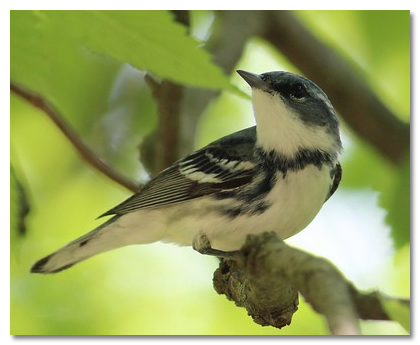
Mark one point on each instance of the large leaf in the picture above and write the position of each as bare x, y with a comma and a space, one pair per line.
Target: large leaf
148, 40
53, 64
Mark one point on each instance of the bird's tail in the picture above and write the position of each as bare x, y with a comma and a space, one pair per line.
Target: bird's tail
97, 241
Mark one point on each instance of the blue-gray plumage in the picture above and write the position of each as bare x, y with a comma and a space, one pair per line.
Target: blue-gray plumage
272, 177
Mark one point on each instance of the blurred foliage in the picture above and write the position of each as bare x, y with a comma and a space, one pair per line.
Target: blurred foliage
78, 61
377, 43
19, 208
398, 204
397, 311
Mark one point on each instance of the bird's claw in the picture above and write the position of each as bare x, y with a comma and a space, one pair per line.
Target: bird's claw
202, 244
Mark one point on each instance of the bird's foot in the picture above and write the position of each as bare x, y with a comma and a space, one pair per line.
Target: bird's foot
202, 245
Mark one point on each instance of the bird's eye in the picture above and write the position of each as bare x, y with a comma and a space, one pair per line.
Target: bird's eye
297, 92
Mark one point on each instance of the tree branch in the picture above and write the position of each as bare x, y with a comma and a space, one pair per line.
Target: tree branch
161, 148
266, 275
269, 301
84, 151
350, 94
169, 99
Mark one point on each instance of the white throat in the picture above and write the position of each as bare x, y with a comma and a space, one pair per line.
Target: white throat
280, 129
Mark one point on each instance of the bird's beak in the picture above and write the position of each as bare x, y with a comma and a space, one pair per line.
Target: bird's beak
254, 80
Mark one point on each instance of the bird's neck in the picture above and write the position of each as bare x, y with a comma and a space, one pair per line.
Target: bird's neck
282, 131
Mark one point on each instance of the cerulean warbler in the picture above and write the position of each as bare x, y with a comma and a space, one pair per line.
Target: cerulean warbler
274, 176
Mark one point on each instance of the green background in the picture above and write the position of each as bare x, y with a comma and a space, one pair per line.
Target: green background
91, 65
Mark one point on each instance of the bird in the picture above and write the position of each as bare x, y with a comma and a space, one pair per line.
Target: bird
274, 176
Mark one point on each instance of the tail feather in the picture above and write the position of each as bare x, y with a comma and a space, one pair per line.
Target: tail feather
78, 250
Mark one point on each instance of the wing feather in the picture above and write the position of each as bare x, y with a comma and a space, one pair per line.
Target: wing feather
336, 174
225, 164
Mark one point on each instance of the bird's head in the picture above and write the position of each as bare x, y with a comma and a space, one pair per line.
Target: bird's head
292, 113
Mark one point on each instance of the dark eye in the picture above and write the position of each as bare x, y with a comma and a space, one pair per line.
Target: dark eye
297, 92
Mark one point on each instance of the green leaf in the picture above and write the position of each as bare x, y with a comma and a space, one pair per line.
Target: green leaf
148, 40
397, 311
363, 167
55, 66
398, 205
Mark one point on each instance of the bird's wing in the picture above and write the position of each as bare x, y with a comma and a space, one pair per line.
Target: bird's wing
336, 174
225, 164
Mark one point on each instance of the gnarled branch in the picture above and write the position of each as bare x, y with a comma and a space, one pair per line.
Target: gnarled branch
266, 275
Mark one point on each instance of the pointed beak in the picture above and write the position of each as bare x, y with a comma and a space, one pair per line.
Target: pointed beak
254, 80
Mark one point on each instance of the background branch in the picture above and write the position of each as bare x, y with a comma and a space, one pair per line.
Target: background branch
84, 151
161, 148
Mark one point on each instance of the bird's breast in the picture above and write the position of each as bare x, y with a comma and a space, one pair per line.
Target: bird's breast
296, 198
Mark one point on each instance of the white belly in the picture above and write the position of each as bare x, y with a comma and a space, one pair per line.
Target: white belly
295, 201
